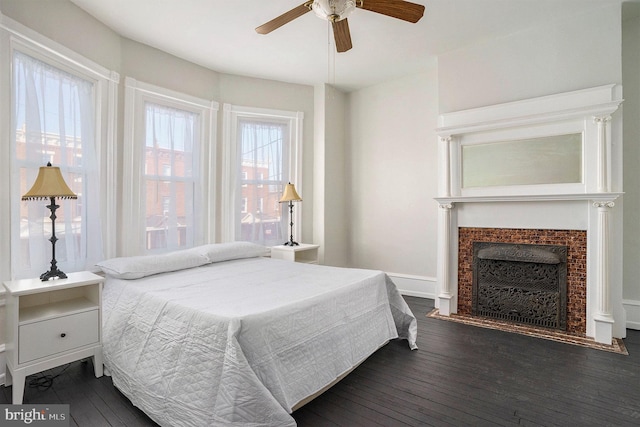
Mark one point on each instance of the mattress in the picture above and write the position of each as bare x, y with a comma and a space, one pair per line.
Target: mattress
241, 342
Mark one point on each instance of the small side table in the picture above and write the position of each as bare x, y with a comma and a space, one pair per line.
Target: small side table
304, 252
52, 323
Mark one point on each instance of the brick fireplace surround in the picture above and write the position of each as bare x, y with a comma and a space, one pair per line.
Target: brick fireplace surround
576, 242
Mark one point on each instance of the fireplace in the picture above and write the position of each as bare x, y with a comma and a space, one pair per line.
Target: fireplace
574, 259
521, 283
544, 170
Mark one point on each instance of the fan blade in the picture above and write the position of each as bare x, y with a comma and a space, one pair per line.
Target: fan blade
342, 35
286, 17
400, 9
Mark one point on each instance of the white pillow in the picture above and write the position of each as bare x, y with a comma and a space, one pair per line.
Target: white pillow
217, 252
136, 267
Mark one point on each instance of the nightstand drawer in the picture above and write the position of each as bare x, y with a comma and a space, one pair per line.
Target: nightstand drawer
48, 337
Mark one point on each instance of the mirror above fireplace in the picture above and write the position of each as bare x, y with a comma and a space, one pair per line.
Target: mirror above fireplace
550, 160
558, 144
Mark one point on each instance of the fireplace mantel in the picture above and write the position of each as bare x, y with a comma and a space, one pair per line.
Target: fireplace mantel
583, 203
604, 197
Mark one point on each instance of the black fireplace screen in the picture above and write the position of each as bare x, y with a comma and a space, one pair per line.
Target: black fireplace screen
521, 283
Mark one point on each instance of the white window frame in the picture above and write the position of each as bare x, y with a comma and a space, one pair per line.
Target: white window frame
231, 116
15, 36
136, 95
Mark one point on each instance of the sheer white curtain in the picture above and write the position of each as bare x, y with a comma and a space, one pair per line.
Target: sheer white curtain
263, 153
54, 121
171, 174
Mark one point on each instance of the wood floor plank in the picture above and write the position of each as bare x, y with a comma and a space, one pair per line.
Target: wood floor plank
405, 408
75, 389
460, 375
508, 378
129, 415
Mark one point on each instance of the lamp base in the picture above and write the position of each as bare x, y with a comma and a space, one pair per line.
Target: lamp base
52, 274
291, 243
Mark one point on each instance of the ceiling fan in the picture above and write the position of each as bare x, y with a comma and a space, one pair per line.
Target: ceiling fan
336, 12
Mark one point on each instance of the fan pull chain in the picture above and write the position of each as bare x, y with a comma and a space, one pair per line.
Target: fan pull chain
328, 57
331, 71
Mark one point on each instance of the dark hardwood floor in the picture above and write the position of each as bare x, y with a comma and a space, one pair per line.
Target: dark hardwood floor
461, 376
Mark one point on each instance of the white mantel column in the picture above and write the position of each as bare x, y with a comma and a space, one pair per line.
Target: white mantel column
446, 298
603, 160
603, 317
445, 162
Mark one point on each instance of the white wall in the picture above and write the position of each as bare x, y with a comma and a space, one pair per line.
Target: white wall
631, 114
70, 26
330, 229
392, 180
559, 56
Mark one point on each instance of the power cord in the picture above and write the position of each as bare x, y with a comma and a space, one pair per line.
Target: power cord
45, 381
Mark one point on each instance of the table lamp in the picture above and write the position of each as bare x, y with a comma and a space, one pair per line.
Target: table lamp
290, 195
49, 185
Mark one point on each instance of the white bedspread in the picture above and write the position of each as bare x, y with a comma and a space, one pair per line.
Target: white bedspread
241, 342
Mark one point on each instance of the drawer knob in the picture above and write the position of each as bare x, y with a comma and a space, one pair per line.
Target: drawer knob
62, 335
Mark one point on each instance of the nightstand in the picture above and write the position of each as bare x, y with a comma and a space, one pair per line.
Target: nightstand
51, 323
304, 252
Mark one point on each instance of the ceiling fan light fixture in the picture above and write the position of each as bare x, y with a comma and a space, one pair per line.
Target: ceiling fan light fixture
333, 10
337, 11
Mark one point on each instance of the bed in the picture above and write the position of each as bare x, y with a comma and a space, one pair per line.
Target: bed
222, 335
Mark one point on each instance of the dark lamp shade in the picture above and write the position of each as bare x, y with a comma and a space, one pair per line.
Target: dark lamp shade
49, 183
290, 194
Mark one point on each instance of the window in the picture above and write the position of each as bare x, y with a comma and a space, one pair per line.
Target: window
61, 107
263, 152
170, 157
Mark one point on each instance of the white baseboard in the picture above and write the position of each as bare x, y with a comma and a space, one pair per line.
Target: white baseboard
632, 308
3, 357
415, 286
3, 364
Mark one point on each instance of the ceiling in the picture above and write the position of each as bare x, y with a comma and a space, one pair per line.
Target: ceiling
220, 35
